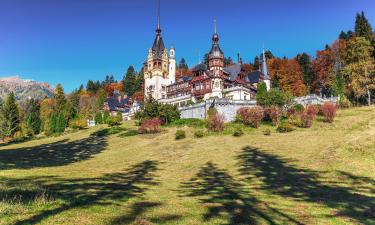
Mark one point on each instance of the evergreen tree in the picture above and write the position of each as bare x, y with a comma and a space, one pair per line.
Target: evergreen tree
182, 64
228, 61
60, 99
33, 122
304, 61
261, 93
363, 27
92, 87
106, 116
256, 63
10, 120
130, 81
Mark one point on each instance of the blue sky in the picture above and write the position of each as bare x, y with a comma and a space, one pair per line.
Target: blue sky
71, 41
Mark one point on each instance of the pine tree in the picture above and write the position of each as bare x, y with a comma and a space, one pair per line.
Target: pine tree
10, 121
363, 27
129, 81
33, 122
304, 61
60, 99
256, 63
182, 64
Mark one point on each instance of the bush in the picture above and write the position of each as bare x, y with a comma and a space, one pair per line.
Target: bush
272, 97
99, 118
107, 132
285, 127
150, 126
329, 111
215, 122
113, 121
250, 115
267, 132
274, 114
199, 134
308, 116
153, 109
298, 108
238, 132
344, 102
180, 134
78, 124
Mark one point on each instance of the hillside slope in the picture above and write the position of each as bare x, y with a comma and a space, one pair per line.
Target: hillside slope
322, 175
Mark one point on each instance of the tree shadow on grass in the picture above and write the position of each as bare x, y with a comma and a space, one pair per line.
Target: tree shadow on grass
59, 153
82, 193
352, 196
138, 208
224, 197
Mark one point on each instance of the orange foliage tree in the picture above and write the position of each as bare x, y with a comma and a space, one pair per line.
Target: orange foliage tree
110, 88
288, 74
323, 67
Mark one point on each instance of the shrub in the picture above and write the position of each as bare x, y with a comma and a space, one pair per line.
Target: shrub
113, 121
153, 109
251, 115
180, 134
99, 118
272, 97
267, 132
285, 127
344, 102
329, 111
150, 126
107, 131
274, 114
215, 122
78, 124
308, 115
238, 132
298, 108
199, 134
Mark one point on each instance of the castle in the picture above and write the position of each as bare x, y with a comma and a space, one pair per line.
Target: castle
212, 81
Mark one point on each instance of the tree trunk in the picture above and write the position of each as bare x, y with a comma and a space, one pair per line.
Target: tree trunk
369, 96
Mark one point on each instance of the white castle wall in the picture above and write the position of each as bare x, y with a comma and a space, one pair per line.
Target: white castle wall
225, 107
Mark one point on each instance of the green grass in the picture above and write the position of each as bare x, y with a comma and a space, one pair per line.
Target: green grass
321, 175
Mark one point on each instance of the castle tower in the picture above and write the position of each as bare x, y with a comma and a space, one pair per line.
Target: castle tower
158, 71
266, 78
216, 65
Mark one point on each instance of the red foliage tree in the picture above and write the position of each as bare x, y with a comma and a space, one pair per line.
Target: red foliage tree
323, 67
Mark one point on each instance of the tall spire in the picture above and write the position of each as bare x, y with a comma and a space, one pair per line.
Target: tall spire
215, 26
264, 65
158, 29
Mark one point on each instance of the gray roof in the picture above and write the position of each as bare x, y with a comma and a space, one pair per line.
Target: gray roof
158, 46
233, 71
114, 102
199, 67
254, 77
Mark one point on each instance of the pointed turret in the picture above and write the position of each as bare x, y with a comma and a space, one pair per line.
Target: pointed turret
158, 46
264, 66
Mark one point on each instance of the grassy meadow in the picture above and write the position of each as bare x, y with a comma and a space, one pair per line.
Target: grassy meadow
321, 175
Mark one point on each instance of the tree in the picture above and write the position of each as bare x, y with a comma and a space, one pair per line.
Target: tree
33, 122
323, 67
363, 27
359, 71
10, 121
153, 109
182, 64
256, 63
99, 118
304, 61
60, 99
228, 61
46, 111
130, 81
92, 87
261, 93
